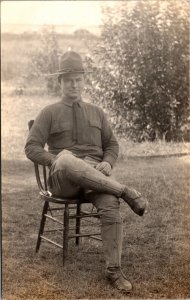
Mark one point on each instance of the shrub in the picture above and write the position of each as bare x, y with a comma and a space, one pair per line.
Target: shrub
142, 68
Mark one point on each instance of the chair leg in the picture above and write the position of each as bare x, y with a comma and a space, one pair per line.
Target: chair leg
65, 232
78, 223
42, 224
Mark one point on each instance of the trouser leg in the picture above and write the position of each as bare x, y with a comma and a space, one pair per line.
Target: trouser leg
71, 173
111, 227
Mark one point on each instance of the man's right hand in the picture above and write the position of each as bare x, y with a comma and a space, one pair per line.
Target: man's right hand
104, 167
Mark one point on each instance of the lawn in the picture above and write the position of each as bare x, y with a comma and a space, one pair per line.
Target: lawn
156, 248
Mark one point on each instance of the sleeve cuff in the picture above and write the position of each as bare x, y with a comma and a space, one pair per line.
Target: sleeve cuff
110, 159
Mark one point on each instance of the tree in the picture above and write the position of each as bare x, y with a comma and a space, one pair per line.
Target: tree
83, 33
142, 68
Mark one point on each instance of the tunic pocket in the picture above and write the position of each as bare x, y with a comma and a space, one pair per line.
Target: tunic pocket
60, 135
95, 132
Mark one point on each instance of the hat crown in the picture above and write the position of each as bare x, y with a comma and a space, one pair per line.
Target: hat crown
71, 61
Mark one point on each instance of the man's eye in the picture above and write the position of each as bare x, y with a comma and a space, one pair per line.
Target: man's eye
66, 80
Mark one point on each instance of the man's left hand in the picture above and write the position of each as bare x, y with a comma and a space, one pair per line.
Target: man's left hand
104, 167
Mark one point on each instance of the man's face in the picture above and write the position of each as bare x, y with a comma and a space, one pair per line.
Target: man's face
72, 85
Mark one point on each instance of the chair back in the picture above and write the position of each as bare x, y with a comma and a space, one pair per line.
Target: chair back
40, 171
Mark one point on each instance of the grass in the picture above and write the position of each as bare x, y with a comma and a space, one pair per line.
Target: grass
155, 149
156, 248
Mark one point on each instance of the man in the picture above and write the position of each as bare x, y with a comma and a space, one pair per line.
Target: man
82, 153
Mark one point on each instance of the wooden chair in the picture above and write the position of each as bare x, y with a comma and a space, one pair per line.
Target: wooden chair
71, 209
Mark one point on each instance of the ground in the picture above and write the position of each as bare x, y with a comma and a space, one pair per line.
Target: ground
156, 248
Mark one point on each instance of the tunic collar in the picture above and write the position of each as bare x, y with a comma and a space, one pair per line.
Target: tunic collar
80, 102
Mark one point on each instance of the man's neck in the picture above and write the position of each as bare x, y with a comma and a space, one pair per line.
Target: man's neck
69, 100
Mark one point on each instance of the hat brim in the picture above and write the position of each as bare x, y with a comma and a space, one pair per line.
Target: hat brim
70, 72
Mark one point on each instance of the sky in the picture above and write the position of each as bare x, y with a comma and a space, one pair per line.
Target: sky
52, 12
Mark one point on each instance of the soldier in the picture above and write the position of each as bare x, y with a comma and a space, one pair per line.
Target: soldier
82, 151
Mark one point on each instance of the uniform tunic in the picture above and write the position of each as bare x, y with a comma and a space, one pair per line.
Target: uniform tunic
81, 128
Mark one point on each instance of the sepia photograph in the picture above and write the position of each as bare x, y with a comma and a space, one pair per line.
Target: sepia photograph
95, 149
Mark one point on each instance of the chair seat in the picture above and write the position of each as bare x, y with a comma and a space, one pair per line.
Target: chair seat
55, 199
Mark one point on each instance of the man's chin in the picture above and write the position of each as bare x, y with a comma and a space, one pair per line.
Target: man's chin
74, 96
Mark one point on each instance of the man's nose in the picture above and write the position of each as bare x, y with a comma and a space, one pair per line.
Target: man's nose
74, 83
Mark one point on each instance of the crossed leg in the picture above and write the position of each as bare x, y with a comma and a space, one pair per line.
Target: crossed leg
69, 174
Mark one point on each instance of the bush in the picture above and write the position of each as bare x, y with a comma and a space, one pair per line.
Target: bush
142, 72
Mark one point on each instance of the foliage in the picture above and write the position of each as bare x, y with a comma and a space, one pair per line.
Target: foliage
45, 59
141, 75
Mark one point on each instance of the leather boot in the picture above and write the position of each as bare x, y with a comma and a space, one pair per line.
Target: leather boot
118, 280
112, 237
134, 199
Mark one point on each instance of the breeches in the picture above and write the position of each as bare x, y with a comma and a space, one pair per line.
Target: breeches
69, 174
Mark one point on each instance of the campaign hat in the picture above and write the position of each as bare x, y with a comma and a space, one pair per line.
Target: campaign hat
71, 62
